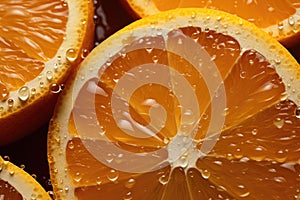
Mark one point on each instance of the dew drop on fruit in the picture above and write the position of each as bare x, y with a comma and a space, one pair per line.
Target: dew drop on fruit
113, 175
49, 75
33, 91
56, 88
278, 122
205, 173
71, 145
130, 183
42, 84
71, 55
297, 112
155, 59
163, 179
77, 177
291, 21
4, 93
24, 93
84, 53
280, 26
128, 196
10, 103
254, 131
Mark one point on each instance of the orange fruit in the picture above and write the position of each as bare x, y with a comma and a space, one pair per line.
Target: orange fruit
279, 18
17, 184
41, 42
186, 104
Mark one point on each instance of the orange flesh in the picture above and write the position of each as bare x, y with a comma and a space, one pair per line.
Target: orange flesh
256, 156
30, 34
8, 192
262, 13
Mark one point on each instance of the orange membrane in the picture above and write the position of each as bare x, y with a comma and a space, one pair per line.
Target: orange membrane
8, 192
262, 13
256, 152
30, 34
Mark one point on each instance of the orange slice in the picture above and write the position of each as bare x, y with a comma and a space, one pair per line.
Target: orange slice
40, 43
186, 104
279, 18
17, 184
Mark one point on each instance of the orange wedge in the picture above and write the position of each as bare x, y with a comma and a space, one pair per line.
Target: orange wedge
186, 104
17, 184
41, 42
279, 18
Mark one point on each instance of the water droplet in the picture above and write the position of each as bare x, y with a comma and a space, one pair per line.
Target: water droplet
71, 55
245, 194
243, 74
297, 112
128, 196
84, 53
277, 61
56, 88
166, 140
254, 131
22, 166
24, 93
34, 176
4, 93
10, 103
183, 161
77, 177
193, 15
278, 122
205, 173
279, 179
163, 179
271, 9
130, 183
113, 175
149, 50
49, 75
42, 84
280, 26
280, 156
71, 145
155, 59
33, 91
11, 173
98, 180
291, 21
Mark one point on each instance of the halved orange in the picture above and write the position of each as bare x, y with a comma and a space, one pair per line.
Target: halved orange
41, 42
17, 184
279, 18
186, 104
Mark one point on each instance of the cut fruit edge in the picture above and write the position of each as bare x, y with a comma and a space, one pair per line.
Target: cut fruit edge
25, 116
288, 37
24, 183
247, 34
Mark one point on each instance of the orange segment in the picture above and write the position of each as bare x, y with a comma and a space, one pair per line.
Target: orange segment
138, 120
41, 43
30, 46
279, 18
277, 141
265, 179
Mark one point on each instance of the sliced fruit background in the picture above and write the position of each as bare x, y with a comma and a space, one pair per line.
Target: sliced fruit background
31, 151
